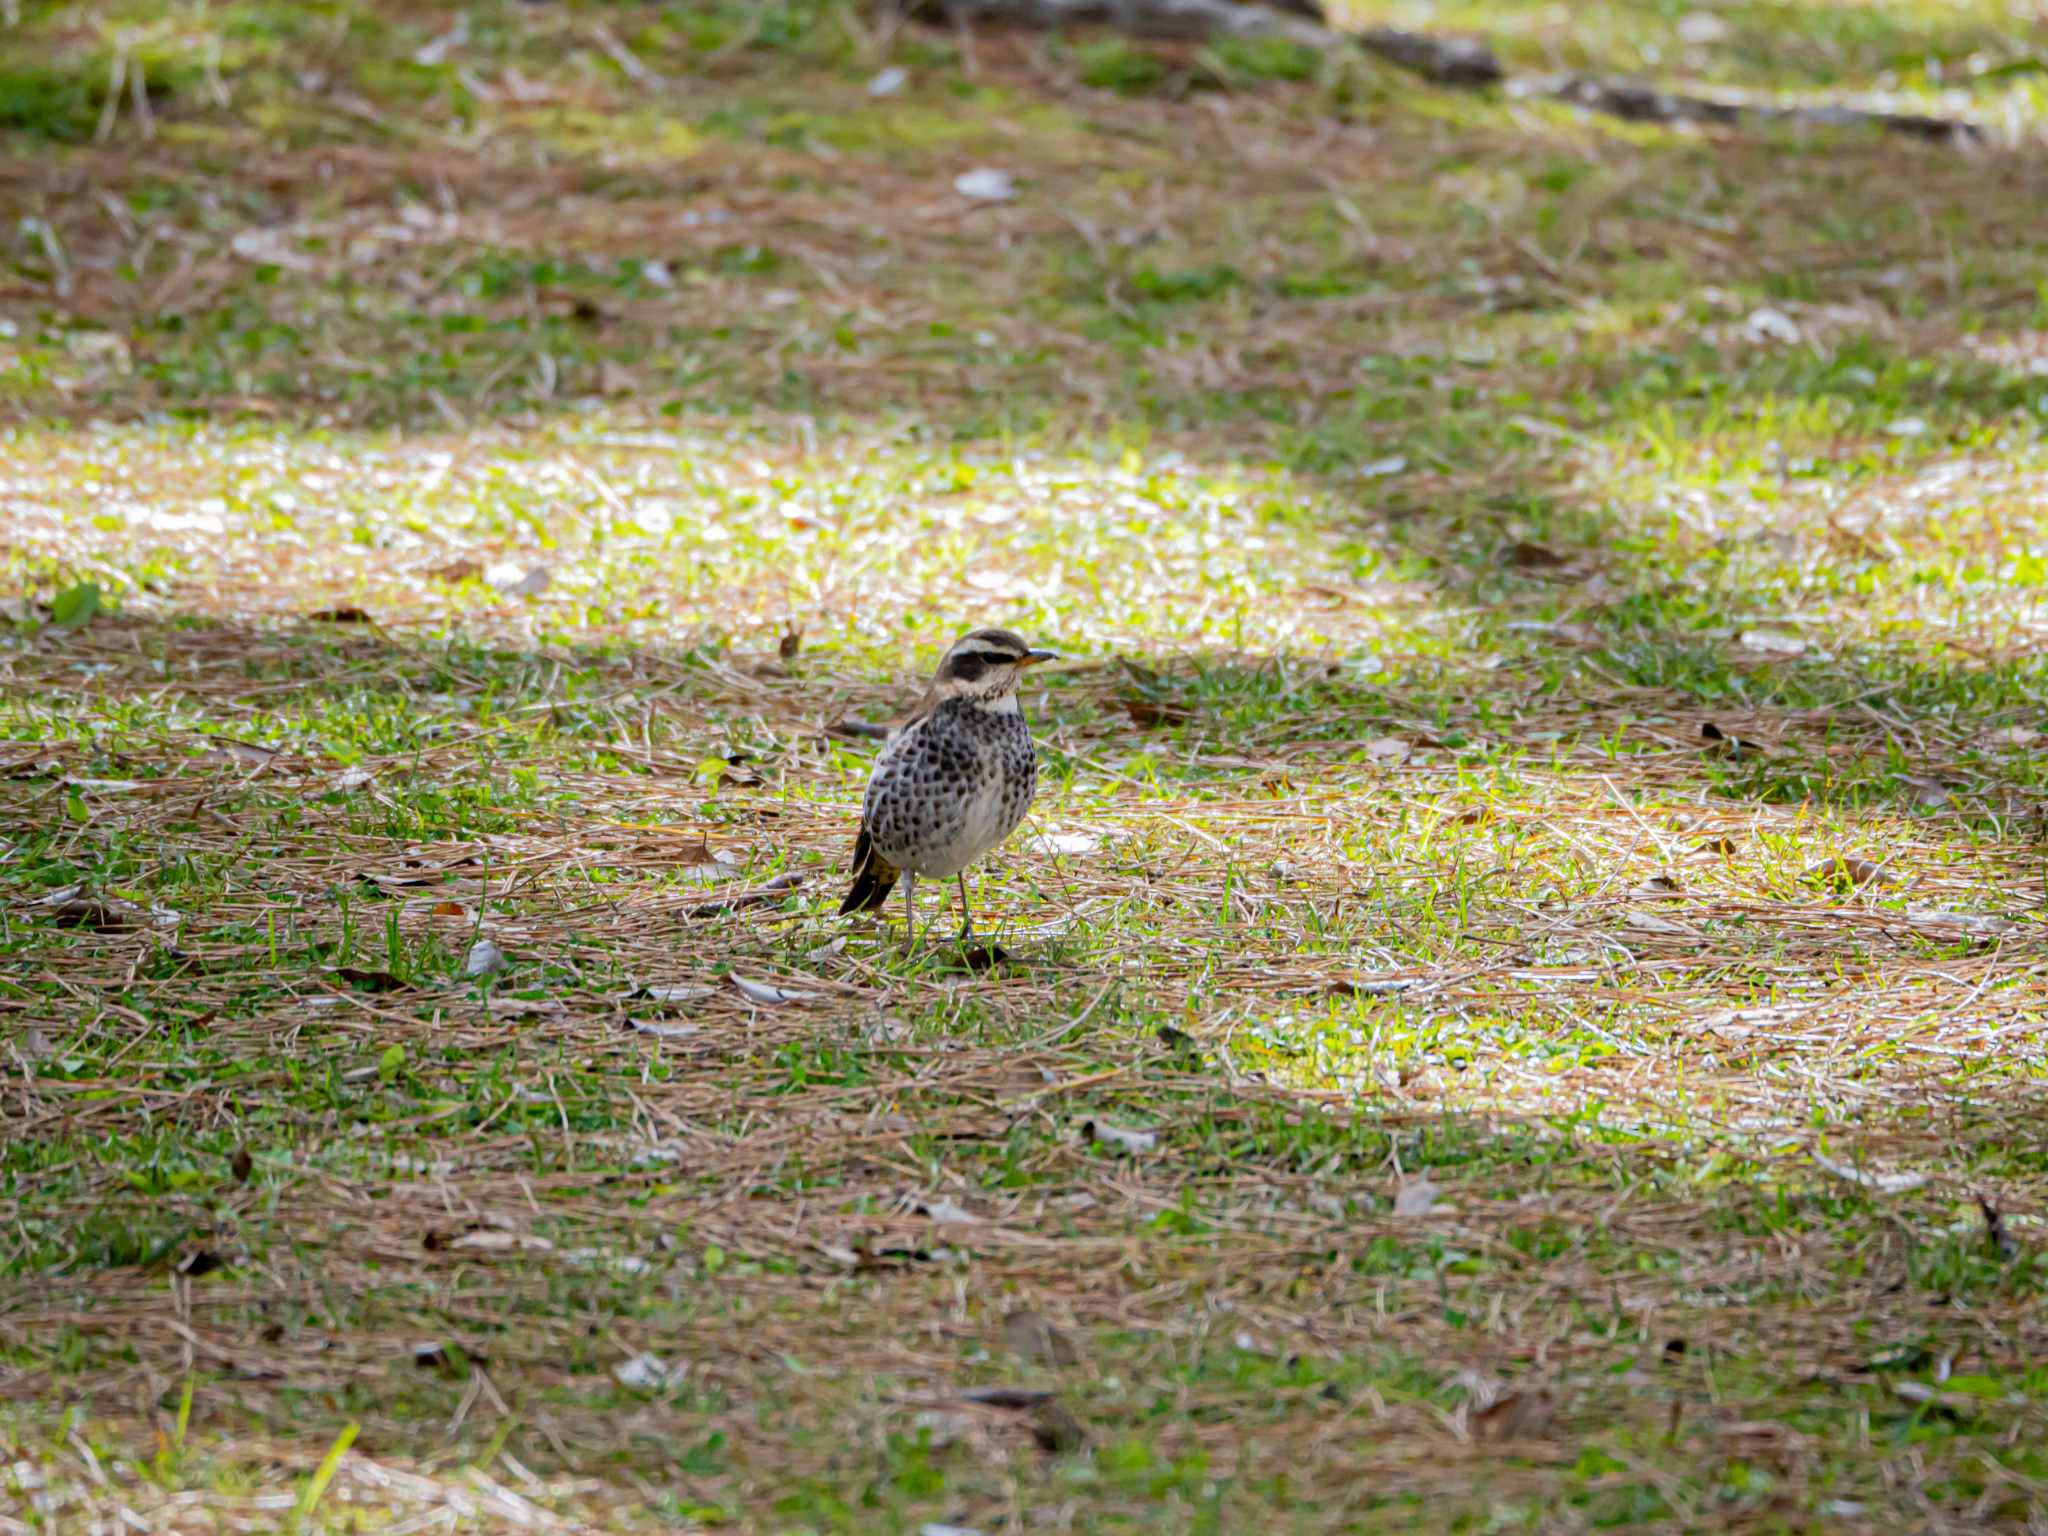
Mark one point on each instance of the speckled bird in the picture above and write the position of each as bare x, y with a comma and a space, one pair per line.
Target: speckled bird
953, 780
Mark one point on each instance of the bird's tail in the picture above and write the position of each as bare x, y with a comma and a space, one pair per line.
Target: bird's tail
873, 878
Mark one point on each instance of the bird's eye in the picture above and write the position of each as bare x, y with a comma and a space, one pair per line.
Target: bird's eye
995, 659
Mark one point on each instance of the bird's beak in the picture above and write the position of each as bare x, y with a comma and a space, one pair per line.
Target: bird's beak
1033, 658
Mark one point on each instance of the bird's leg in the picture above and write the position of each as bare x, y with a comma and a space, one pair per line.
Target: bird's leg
910, 912
966, 917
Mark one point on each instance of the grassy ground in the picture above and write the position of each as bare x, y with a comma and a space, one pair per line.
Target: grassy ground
1526, 998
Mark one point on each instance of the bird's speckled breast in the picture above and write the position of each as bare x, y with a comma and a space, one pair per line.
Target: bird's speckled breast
950, 787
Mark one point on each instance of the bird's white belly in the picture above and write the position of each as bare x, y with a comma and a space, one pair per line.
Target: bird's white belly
981, 829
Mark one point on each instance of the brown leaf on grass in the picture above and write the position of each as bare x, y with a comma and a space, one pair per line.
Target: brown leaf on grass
790, 644
1515, 1416
1057, 1431
343, 613
1030, 1336
730, 768
1658, 888
246, 753
450, 909
458, 570
75, 906
1927, 791
1371, 986
1846, 869
1527, 555
241, 1165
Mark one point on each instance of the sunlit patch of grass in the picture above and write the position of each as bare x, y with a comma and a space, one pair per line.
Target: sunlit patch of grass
871, 542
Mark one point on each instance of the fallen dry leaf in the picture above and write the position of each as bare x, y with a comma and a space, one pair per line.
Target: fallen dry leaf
1846, 869
1527, 555
1515, 1416
76, 906
1030, 1336
1057, 1431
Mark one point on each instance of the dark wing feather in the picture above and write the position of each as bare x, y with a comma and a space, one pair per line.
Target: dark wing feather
873, 877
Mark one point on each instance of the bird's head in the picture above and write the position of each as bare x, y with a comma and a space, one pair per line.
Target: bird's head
986, 665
